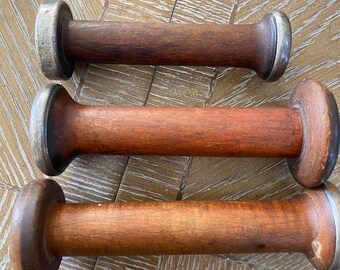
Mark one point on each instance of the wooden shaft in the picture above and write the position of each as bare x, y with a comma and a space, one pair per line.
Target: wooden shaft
253, 132
251, 46
181, 228
62, 41
44, 228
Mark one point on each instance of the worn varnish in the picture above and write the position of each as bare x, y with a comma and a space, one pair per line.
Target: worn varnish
120, 178
61, 41
76, 129
247, 46
62, 129
305, 224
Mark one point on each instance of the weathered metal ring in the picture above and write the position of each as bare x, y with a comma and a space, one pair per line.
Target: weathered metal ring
51, 18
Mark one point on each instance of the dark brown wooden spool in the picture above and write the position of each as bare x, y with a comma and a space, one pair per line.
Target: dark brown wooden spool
306, 131
171, 44
44, 228
61, 42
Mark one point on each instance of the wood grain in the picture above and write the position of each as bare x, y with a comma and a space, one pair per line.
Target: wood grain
238, 88
182, 227
247, 45
20, 80
304, 224
75, 129
201, 262
17, 89
7, 201
181, 86
315, 53
123, 85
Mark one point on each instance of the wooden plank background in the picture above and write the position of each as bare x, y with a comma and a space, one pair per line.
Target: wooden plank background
315, 54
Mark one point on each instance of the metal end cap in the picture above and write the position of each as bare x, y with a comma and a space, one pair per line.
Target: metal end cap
333, 196
51, 17
38, 127
28, 245
283, 45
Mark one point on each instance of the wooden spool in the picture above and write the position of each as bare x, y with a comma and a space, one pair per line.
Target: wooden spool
44, 228
61, 41
307, 131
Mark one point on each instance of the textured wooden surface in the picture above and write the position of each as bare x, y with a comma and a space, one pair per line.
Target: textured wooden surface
315, 54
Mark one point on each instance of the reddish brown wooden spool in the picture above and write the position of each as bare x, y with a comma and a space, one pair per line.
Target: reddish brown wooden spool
44, 228
61, 41
62, 129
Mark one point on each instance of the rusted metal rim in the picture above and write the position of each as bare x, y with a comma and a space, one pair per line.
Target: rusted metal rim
283, 45
51, 17
38, 127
